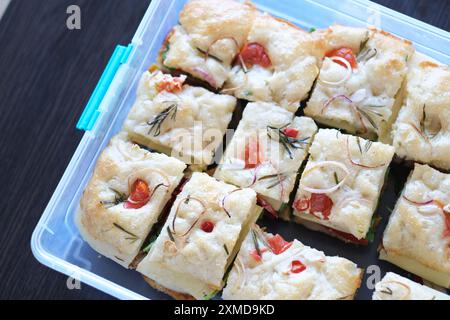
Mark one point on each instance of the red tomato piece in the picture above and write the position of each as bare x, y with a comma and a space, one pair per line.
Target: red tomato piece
267, 206
254, 254
297, 266
321, 203
254, 53
348, 237
207, 226
302, 205
170, 84
252, 154
278, 244
139, 195
345, 53
291, 132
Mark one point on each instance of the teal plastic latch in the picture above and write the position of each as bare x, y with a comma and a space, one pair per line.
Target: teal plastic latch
91, 112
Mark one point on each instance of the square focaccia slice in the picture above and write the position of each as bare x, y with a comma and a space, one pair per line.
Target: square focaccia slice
395, 287
341, 184
360, 78
270, 268
267, 151
278, 64
201, 237
417, 237
125, 197
422, 130
209, 36
185, 122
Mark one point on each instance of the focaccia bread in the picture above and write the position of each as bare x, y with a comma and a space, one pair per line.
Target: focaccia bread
125, 197
422, 130
341, 185
267, 150
270, 268
395, 287
359, 81
210, 35
417, 237
278, 63
200, 238
185, 122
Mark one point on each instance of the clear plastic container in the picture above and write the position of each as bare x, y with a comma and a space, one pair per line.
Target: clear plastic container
56, 241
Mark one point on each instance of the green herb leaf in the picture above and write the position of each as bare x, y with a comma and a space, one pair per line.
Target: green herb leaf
210, 295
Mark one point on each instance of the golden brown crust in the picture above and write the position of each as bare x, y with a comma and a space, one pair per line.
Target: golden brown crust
390, 35
209, 20
174, 294
428, 64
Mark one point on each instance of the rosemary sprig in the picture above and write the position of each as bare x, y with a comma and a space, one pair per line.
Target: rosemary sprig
131, 237
336, 179
280, 177
287, 142
363, 43
367, 145
119, 197
170, 234
255, 242
369, 116
365, 53
387, 290
358, 141
156, 123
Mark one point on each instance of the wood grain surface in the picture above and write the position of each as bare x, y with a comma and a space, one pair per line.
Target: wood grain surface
47, 74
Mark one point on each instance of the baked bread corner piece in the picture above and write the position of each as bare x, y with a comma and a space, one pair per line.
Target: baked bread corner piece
267, 150
279, 63
280, 270
210, 35
183, 121
200, 238
341, 184
113, 220
417, 237
422, 130
359, 93
395, 287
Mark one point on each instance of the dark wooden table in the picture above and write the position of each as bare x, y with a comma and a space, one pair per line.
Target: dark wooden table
47, 74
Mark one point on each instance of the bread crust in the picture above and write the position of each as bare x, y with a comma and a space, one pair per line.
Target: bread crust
174, 294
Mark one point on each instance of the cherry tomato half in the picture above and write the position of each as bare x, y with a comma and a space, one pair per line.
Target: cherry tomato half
321, 203
345, 53
254, 53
